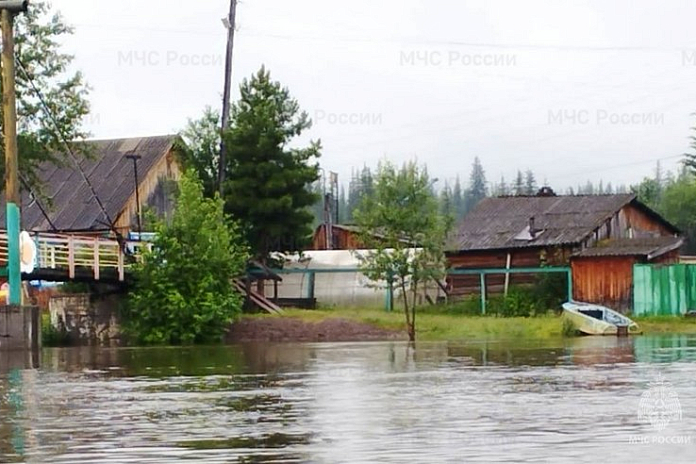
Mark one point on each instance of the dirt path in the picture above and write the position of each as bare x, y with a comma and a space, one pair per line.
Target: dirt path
288, 329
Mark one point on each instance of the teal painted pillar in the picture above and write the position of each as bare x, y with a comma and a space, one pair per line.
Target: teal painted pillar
389, 298
569, 275
13, 269
483, 293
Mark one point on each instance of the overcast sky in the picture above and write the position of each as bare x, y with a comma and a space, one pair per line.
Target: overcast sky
574, 90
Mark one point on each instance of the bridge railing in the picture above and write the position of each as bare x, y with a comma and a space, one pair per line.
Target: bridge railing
70, 252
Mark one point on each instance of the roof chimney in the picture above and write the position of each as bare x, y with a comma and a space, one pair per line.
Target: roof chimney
532, 229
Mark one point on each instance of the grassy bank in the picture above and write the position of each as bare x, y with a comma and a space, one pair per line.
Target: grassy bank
442, 326
431, 326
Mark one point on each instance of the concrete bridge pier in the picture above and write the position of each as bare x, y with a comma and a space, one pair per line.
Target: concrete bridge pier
20, 329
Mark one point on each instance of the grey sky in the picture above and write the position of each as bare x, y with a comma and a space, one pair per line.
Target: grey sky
574, 90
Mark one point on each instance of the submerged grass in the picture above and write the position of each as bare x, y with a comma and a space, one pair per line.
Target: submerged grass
441, 324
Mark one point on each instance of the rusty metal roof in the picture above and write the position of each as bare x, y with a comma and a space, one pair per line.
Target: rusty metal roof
647, 247
501, 223
71, 205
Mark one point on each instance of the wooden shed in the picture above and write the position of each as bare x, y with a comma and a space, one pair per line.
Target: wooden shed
604, 274
343, 237
543, 230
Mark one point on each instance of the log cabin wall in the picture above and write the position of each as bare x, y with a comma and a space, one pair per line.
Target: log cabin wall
343, 239
462, 285
629, 222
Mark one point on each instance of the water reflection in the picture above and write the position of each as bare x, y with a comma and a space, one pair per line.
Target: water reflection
567, 400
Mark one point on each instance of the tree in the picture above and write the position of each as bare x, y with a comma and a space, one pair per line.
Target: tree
183, 291
458, 200
519, 184
43, 67
530, 184
400, 215
678, 205
649, 192
477, 185
268, 184
502, 189
201, 150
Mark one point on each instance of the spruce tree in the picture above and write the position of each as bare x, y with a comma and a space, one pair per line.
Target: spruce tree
519, 184
477, 186
268, 184
530, 184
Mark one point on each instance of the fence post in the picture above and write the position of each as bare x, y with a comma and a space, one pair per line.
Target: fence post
483, 293
389, 298
120, 264
310, 284
95, 265
71, 257
569, 275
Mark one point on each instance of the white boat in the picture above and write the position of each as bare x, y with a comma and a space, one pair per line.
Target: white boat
593, 319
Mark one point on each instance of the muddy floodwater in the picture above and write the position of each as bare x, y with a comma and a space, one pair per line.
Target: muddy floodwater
596, 400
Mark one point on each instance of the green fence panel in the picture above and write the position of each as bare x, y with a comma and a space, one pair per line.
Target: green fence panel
664, 290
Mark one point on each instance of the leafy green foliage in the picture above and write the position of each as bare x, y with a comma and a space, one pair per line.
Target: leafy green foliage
402, 214
201, 152
38, 37
183, 292
268, 185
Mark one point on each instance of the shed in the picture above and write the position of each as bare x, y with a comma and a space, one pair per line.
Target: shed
342, 237
533, 231
603, 274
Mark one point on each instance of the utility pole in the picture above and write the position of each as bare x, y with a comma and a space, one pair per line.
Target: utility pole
135, 159
9, 106
229, 23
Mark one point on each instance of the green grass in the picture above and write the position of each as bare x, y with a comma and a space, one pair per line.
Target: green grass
439, 324
667, 324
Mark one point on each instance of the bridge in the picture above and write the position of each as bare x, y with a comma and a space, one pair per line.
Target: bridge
63, 257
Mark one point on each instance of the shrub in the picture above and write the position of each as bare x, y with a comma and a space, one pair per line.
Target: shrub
183, 291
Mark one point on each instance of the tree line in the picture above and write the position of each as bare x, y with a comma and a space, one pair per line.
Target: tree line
454, 199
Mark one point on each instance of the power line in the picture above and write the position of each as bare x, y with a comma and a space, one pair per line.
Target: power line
67, 146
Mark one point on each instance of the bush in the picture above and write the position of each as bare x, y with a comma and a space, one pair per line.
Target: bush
183, 291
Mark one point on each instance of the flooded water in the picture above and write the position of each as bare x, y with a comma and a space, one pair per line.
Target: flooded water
566, 401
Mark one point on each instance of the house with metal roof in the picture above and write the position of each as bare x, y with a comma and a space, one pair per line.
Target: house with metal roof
98, 194
599, 236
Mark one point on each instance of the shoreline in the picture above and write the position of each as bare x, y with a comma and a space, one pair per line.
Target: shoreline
339, 325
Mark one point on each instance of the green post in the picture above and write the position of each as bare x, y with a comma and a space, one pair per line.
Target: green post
13, 269
389, 299
310, 284
483, 293
569, 274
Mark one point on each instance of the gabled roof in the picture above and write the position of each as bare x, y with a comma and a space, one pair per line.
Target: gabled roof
502, 223
70, 204
646, 247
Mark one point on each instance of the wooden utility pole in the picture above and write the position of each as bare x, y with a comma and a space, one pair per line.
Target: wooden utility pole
9, 108
230, 24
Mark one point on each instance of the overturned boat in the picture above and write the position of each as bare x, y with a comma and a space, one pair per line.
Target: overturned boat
593, 319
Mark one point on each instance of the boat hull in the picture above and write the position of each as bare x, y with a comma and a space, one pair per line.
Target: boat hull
593, 326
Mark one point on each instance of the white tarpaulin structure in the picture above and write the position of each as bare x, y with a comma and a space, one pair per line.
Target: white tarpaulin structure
336, 279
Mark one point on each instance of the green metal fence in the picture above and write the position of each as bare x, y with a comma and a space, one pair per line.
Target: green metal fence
664, 290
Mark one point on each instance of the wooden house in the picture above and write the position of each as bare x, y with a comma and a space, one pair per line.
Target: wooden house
550, 230
342, 237
67, 203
